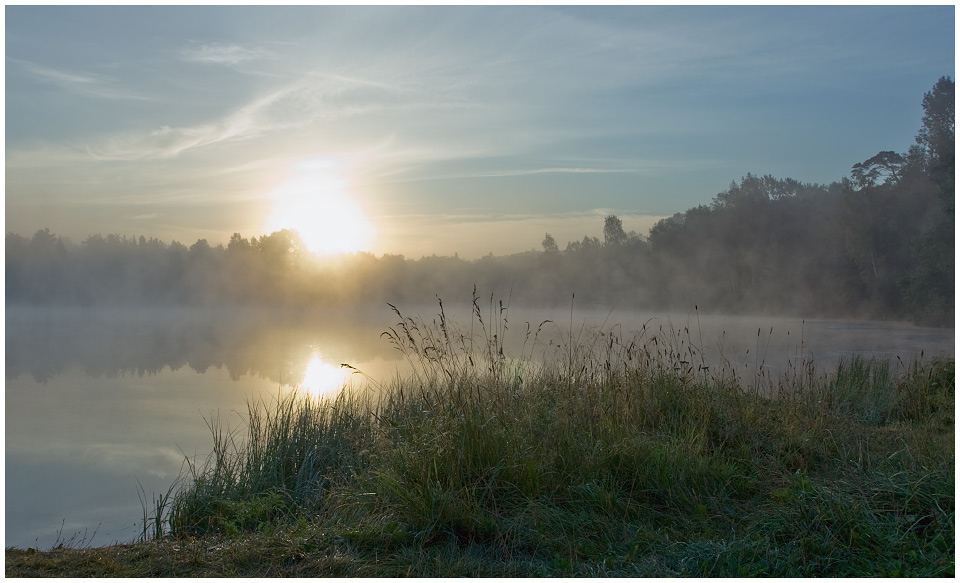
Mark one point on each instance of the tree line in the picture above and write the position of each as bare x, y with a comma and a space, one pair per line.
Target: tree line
876, 244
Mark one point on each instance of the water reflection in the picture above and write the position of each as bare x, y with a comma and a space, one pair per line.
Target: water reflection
322, 378
268, 344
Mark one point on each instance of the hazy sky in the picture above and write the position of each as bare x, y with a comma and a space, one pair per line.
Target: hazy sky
452, 129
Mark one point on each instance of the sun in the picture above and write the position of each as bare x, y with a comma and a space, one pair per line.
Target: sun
315, 201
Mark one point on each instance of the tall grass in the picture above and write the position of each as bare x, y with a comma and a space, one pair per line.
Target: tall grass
295, 451
625, 451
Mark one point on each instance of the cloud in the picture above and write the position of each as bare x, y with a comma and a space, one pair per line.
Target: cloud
94, 85
168, 142
409, 165
309, 99
525, 172
53, 74
355, 80
223, 54
427, 164
162, 462
164, 142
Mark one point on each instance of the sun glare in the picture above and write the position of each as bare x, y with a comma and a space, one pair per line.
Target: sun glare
316, 202
321, 378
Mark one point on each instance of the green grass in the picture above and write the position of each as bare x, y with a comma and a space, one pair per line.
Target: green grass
600, 456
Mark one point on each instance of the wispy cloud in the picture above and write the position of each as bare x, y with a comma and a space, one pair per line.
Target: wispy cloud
294, 106
164, 142
53, 74
91, 84
223, 54
300, 103
169, 142
427, 176
423, 165
530, 171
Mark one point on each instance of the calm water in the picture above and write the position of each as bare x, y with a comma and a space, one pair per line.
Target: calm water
101, 403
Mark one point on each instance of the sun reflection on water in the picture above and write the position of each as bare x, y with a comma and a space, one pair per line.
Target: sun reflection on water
322, 378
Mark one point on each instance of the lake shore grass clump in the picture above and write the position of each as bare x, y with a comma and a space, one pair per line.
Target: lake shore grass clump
600, 455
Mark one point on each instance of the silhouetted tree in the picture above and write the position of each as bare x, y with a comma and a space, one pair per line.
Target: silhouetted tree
936, 136
887, 164
550, 245
613, 233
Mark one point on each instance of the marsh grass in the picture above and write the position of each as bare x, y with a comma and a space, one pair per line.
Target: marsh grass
596, 455
294, 452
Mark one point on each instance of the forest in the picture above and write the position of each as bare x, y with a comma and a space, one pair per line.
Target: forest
876, 244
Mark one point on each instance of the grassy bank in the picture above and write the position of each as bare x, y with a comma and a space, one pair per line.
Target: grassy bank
602, 455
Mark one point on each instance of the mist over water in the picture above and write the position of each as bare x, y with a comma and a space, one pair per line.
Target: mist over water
111, 342
101, 400
276, 344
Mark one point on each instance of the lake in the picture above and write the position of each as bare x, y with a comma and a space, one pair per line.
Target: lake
102, 403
